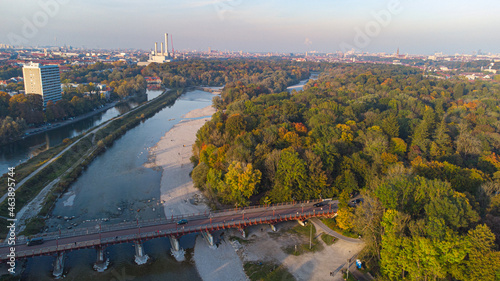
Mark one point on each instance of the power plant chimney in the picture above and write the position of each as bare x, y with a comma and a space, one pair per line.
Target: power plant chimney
166, 45
156, 48
161, 48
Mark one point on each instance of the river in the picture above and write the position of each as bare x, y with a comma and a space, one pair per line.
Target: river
302, 83
117, 187
15, 153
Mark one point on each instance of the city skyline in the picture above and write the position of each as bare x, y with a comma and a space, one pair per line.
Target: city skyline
274, 26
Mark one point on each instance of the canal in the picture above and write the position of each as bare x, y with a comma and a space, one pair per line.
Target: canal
16, 153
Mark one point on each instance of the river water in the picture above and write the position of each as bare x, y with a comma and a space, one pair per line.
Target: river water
117, 187
15, 153
302, 83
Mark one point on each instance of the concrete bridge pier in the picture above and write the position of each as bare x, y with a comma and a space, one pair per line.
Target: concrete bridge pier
140, 257
58, 265
209, 238
243, 233
102, 262
176, 250
273, 227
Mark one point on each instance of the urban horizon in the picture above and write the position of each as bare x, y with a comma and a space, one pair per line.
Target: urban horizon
259, 27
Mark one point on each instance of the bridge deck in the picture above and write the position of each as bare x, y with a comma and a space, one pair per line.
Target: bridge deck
81, 238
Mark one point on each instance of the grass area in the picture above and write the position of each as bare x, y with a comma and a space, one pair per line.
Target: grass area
332, 224
267, 272
104, 137
33, 226
328, 239
304, 232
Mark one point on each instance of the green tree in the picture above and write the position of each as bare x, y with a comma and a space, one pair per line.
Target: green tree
483, 262
390, 126
317, 177
240, 183
442, 144
291, 178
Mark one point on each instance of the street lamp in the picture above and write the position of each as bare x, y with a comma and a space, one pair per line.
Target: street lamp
57, 239
310, 237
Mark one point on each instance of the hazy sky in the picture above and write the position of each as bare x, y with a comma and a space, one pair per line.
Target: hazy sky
415, 26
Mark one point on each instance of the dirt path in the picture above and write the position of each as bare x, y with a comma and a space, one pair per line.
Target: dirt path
266, 246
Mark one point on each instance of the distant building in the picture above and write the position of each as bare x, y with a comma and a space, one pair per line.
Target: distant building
43, 80
162, 56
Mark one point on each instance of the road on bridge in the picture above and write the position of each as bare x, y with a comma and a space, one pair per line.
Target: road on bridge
144, 230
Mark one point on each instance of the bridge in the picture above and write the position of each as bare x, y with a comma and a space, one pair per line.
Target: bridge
102, 236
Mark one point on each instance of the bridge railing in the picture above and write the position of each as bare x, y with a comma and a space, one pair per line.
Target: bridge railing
173, 219
240, 223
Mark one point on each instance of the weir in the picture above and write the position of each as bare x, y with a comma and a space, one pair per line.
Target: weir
176, 250
140, 257
59, 265
102, 262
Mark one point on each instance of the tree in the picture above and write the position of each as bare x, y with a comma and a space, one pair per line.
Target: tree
393, 261
240, 183
11, 129
398, 146
442, 144
346, 183
367, 221
467, 144
458, 91
235, 124
345, 218
390, 126
483, 262
317, 177
291, 178
4, 104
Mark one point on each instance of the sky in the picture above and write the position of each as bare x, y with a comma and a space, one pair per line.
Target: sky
296, 26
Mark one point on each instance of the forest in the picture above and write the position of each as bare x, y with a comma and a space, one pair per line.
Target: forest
21, 111
275, 75
423, 152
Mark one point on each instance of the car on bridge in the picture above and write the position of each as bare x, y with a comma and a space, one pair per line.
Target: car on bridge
321, 204
183, 221
35, 241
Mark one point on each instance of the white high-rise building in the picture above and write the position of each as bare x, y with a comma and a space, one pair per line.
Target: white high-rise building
44, 80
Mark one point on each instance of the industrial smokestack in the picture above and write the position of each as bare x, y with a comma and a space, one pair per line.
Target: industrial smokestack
166, 45
156, 48
161, 48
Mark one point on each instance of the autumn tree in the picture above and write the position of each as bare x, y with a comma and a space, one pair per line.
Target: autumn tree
240, 182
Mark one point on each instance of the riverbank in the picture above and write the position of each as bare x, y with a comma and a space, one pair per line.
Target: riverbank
179, 196
55, 125
171, 154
